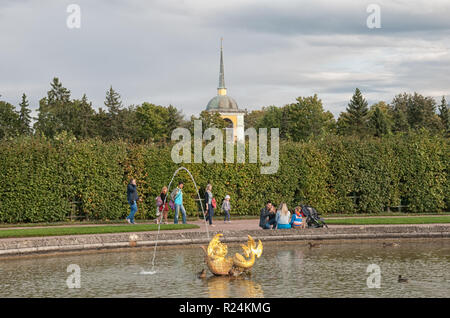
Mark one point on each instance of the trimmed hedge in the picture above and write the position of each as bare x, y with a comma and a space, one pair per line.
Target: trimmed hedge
48, 180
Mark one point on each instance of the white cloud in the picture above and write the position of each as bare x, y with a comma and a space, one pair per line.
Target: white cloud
166, 52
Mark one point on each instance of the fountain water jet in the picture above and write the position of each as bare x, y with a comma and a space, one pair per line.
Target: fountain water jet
159, 224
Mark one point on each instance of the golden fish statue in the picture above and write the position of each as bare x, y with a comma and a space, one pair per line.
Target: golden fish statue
220, 265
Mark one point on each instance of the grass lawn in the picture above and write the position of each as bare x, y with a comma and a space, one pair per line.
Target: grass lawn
390, 220
52, 231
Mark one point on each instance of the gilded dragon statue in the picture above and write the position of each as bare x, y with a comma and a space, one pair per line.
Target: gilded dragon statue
221, 265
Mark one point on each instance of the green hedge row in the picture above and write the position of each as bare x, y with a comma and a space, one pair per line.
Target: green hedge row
48, 180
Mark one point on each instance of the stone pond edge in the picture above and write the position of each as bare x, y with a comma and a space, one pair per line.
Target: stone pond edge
55, 244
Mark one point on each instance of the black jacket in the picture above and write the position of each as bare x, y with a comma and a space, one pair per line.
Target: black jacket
132, 195
263, 216
206, 199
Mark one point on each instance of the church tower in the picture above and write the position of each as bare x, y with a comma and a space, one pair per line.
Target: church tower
226, 106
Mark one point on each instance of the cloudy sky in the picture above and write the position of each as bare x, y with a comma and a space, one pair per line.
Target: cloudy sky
167, 51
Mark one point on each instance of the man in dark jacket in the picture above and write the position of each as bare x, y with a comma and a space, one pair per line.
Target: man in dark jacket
265, 220
132, 197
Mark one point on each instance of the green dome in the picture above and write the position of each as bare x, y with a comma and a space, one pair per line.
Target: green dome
222, 102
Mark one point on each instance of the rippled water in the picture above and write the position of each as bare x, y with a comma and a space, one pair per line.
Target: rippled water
284, 270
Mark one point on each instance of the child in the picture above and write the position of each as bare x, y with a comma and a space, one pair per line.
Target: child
226, 208
297, 220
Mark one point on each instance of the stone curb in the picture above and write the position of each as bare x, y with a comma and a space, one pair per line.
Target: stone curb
26, 246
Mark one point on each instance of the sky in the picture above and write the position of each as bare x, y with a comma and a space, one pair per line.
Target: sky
167, 51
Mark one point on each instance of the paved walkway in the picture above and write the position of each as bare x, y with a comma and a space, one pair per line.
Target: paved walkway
219, 225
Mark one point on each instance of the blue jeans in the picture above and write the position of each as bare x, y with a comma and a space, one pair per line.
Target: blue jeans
210, 214
133, 210
272, 222
227, 215
183, 212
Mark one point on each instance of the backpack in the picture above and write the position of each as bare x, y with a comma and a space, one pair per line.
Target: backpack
213, 203
159, 201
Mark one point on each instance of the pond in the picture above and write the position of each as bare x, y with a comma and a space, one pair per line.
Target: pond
284, 270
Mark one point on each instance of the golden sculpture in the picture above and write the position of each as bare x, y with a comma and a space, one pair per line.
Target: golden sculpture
220, 265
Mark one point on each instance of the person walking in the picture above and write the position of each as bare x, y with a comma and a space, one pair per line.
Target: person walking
132, 198
226, 207
209, 204
177, 197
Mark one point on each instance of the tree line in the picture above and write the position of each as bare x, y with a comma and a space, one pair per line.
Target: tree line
58, 112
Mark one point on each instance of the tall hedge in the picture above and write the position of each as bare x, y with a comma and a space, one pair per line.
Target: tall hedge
44, 180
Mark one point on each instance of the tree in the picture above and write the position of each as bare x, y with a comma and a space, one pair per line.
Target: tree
414, 111
153, 122
356, 121
272, 118
113, 128
54, 113
176, 119
24, 117
444, 115
209, 120
421, 111
253, 118
9, 120
81, 114
112, 101
307, 118
399, 108
379, 123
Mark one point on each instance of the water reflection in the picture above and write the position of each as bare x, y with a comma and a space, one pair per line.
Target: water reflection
240, 287
284, 270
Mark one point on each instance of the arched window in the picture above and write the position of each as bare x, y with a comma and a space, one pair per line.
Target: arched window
228, 122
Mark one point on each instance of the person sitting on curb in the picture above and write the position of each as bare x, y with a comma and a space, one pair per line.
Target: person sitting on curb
283, 217
297, 220
267, 217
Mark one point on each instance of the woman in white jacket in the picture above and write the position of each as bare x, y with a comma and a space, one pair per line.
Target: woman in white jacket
283, 217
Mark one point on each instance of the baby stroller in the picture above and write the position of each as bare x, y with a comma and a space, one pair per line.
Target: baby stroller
312, 217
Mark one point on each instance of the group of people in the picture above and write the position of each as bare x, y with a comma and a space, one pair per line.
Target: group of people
270, 216
281, 218
175, 202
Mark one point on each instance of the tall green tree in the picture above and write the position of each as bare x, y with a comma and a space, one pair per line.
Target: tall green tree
24, 117
421, 112
272, 118
113, 128
153, 122
82, 115
379, 123
356, 119
307, 118
9, 120
113, 102
399, 108
414, 111
54, 113
444, 115
252, 118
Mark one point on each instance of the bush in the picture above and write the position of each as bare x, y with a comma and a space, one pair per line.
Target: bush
46, 180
